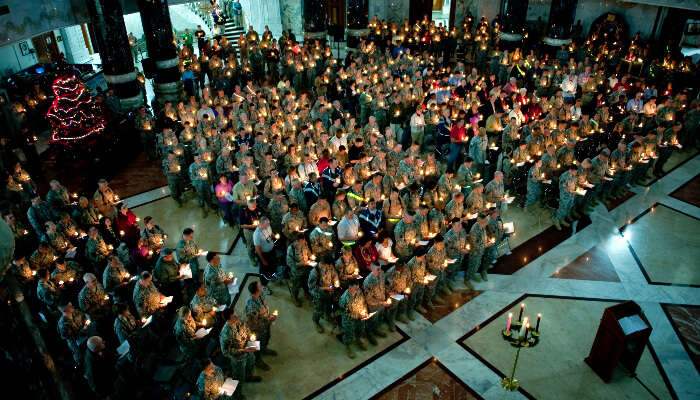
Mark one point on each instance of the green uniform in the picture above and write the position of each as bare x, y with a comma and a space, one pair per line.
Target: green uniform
185, 336
297, 259
455, 242
257, 314
477, 260
293, 223
567, 193
146, 299
233, 340
47, 291
113, 277
435, 262
208, 385
165, 272
322, 242
397, 282
201, 180
94, 302
374, 288
352, 307
418, 284
71, 330
188, 253
406, 236
321, 277
201, 308
214, 279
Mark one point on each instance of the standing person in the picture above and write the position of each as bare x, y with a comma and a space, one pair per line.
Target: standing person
259, 319
374, 288
457, 139
249, 219
265, 250
323, 280
353, 310
233, 341
188, 252
417, 126
216, 280
201, 39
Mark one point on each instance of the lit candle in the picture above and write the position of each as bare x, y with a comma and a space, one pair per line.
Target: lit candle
510, 319
521, 334
204, 322
520, 316
537, 327
253, 337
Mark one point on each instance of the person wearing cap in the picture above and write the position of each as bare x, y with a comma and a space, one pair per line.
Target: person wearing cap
73, 328
322, 282
233, 342
567, 193
321, 239
298, 257
353, 309
293, 222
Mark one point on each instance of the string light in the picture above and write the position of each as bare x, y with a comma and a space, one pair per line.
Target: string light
73, 114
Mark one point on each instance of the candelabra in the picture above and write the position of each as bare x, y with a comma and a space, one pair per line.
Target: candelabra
519, 335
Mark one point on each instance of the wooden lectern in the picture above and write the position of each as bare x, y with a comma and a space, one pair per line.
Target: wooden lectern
622, 335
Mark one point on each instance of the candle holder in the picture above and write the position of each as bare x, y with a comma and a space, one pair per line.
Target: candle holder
512, 336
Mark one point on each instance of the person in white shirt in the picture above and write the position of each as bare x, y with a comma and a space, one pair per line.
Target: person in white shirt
417, 126
306, 168
338, 140
612, 80
383, 247
568, 86
517, 113
349, 227
575, 110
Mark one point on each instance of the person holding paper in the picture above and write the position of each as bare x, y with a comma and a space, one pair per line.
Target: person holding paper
599, 170
534, 186
494, 230
234, 343
47, 290
184, 331
146, 296
167, 274
398, 278
392, 209
249, 219
374, 288
265, 250
567, 193
321, 239
93, 299
99, 367
586, 202
494, 191
203, 307
323, 280
475, 202
215, 279
371, 218
353, 309
455, 207
154, 234
298, 257
457, 248
346, 266
188, 252
293, 222
210, 381
259, 320
406, 235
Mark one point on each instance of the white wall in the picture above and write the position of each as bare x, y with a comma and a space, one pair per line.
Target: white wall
12, 60
74, 46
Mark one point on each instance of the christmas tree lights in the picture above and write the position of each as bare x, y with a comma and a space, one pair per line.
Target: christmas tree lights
73, 115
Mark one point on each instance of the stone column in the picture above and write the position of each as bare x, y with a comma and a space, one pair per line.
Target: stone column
315, 15
107, 19
158, 31
357, 21
514, 14
561, 19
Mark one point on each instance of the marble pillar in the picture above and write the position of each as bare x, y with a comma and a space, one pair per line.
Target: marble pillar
107, 19
315, 15
561, 19
397, 10
462, 8
357, 21
260, 13
514, 13
158, 31
290, 11
378, 8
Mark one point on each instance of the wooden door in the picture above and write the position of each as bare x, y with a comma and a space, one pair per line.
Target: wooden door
46, 47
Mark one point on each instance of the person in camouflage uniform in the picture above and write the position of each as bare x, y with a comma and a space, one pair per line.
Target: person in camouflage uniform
457, 247
323, 280
215, 279
374, 288
298, 257
353, 310
115, 275
567, 193
293, 222
479, 242
46, 290
398, 279
93, 299
188, 252
419, 282
73, 328
347, 266
146, 296
203, 307
321, 239
58, 198
201, 180
406, 234
436, 263
173, 173
184, 330
42, 257
233, 341
96, 251
85, 214
259, 319
210, 381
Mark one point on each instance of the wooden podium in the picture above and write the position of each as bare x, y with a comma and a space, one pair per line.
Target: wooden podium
622, 335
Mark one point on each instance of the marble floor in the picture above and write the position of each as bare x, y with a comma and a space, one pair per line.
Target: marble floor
570, 278
554, 369
660, 229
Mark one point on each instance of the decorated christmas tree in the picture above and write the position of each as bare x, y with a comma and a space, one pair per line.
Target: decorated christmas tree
74, 114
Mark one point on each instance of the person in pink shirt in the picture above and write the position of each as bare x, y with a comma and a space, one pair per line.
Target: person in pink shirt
223, 195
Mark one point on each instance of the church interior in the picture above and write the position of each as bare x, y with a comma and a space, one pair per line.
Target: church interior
350, 199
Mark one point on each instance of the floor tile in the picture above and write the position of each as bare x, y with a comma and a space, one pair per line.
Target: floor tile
457, 299
685, 320
593, 265
430, 381
689, 192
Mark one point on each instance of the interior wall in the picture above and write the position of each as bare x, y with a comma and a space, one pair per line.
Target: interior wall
12, 60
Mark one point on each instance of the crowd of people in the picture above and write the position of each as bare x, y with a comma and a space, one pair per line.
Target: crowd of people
371, 184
